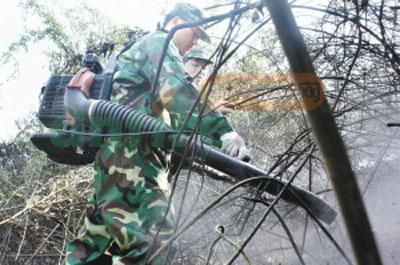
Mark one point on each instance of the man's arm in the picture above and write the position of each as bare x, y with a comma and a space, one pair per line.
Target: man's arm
174, 92
179, 96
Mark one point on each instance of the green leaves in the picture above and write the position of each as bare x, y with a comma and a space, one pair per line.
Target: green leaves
67, 33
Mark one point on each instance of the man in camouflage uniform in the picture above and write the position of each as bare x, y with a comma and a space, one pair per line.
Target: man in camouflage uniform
194, 62
127, 210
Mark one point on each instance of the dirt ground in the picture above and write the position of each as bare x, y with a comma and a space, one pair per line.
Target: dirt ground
382, 199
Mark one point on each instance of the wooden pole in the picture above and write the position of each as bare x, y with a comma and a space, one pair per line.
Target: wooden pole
326, 133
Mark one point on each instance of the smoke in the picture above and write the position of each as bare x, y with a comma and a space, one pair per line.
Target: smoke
217, 235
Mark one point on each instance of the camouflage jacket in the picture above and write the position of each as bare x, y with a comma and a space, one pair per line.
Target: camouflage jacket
174, 94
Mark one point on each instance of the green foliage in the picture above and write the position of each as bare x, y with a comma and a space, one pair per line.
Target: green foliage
38, 196
250, 62
68, 33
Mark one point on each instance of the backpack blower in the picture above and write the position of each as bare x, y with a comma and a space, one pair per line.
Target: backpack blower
87, 99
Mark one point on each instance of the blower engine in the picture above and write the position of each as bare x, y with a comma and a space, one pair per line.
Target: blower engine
54, 116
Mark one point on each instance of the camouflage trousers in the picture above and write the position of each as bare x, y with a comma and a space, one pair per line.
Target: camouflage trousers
125, 215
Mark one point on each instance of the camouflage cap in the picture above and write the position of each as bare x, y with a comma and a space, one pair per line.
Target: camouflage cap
189, 13
196, 53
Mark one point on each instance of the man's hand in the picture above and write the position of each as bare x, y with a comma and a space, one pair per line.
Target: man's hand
234, 145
